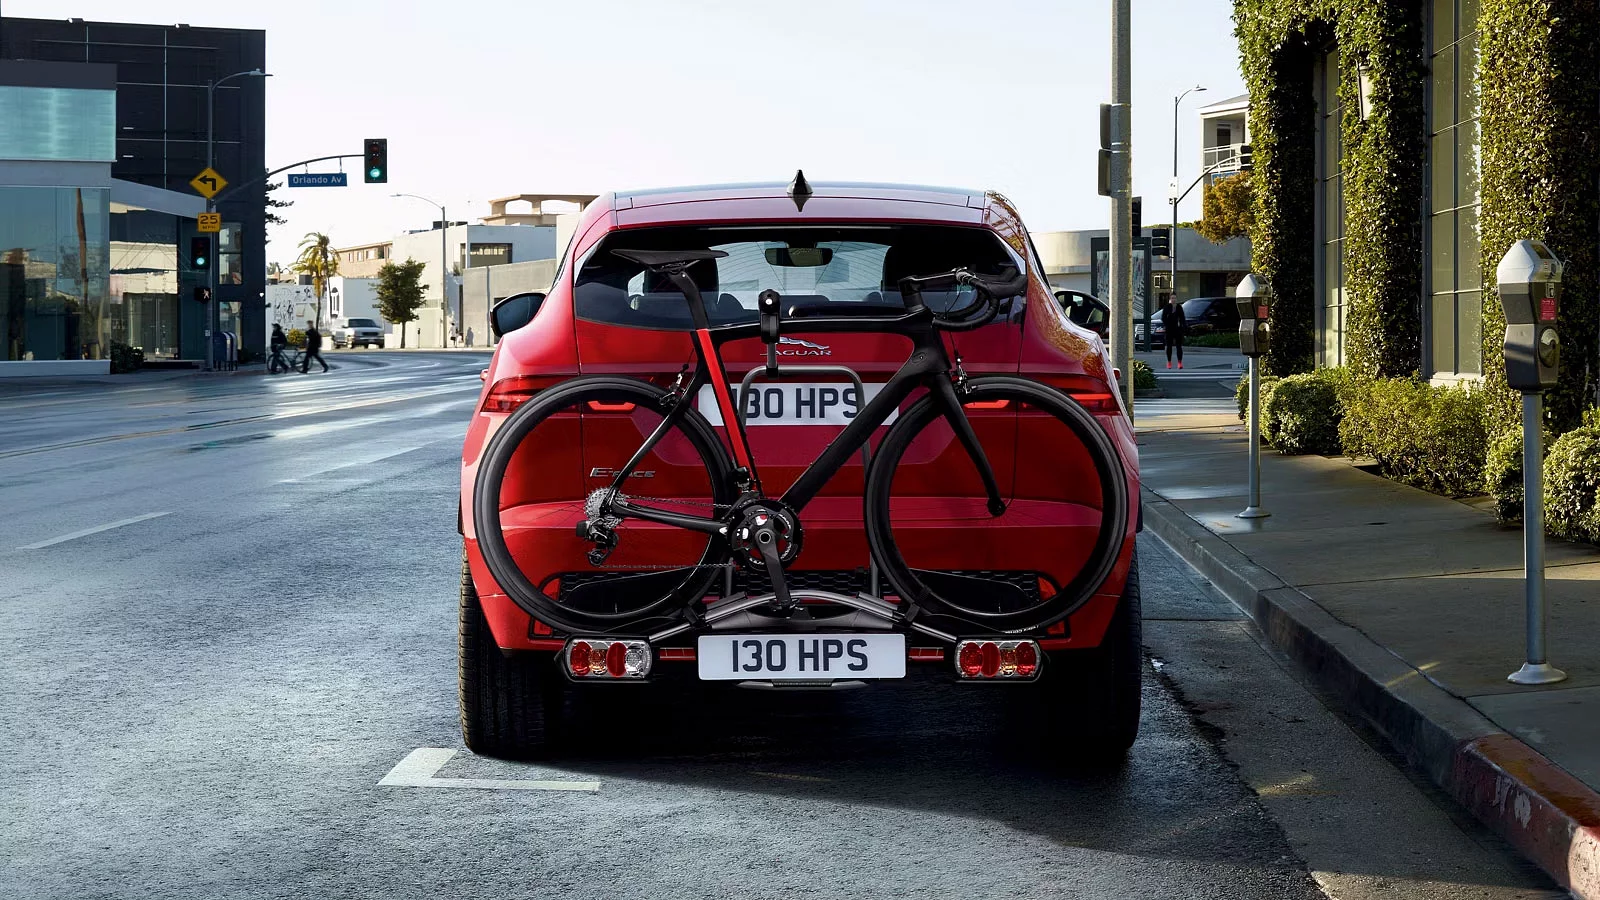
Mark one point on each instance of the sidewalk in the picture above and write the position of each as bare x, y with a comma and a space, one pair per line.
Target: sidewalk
1407, 607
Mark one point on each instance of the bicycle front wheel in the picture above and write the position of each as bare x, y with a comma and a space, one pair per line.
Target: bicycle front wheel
1047, 551
542, 473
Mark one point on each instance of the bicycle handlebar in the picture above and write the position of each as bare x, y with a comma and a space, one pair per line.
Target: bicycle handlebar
992, 291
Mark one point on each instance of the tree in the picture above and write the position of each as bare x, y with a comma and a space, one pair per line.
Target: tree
400, 293
318, 260
1228, 209
274, 203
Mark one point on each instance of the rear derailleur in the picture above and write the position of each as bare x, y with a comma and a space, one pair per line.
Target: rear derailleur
599, 527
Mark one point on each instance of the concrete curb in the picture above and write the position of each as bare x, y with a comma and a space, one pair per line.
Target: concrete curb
1549, 816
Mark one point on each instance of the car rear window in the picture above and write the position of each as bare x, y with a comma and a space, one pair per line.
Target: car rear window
819, 269
363, 323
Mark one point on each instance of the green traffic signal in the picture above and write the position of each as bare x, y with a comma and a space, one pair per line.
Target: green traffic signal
375, 151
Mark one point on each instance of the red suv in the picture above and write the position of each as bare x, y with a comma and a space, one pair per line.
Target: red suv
798, 436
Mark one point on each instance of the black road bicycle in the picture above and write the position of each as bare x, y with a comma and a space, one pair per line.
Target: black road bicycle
278, 363
629, 589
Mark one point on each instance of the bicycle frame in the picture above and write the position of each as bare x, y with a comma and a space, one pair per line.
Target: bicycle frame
928, 366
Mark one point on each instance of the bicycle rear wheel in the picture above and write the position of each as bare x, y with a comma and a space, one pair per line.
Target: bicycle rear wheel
1058, 537
539, 476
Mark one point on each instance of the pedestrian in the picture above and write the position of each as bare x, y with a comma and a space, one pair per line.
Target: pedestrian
313, 348
1175, 325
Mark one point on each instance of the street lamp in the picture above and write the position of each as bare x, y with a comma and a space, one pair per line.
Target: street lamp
444, 263
211, 152
1172, 242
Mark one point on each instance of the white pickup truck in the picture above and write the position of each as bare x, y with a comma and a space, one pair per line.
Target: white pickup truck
357, 333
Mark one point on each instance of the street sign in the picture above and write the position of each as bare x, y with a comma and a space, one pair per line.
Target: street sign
208, 183
210, 223
317, 179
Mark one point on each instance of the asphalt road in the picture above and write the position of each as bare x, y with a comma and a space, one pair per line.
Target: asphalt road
227, 613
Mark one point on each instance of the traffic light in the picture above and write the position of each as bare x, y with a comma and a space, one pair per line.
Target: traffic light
1138, 214
1245, 161
200, 253
376, 170
1104, 173
1160, 241
202, 294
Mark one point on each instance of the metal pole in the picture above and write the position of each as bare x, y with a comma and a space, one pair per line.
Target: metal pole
1172, 237
1254, 510
444, 273
1536, 670
211, 270
466, 263
1121, 242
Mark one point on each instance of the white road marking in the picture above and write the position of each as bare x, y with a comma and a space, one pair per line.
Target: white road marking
419, 766
355, 462
95, 530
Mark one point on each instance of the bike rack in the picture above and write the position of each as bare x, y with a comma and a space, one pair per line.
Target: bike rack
721, 615
873, 586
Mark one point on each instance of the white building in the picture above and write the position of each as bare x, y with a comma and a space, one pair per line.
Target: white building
509, 234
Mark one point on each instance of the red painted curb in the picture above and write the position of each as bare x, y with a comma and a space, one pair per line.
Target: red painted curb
1548, 815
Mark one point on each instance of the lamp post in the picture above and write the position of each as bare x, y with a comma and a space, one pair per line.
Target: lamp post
1172, 242
211, 154
444, 264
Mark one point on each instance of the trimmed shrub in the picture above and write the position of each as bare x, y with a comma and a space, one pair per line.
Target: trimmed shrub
296, 337
1502, 475
125, 358
1214, 339
1571, 482
1304, 412
1241, 396
1144, 379
1427, 436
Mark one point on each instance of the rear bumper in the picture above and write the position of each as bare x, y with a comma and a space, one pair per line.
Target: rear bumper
515, 630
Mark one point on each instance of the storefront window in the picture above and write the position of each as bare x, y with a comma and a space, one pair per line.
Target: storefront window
230, 254
144, 281
53, 287
1330, 196
1456, 308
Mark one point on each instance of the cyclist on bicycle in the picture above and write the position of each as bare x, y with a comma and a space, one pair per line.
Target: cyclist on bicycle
279, 342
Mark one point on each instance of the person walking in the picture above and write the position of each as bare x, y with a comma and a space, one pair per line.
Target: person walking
313, 349
1172, 320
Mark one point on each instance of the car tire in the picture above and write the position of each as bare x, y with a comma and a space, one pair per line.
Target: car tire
511, 704
1091, 698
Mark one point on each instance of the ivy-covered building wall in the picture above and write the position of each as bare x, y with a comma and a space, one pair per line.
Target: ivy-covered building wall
1400, 147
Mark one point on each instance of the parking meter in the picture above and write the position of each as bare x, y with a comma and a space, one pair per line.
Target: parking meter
1252, 298
1529, 281
1529, 277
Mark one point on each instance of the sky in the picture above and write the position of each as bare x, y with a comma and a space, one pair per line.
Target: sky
489, 98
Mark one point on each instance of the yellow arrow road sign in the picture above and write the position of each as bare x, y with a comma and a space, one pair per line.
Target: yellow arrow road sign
208, 183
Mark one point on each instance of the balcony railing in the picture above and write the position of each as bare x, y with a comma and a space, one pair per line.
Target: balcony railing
1226, 158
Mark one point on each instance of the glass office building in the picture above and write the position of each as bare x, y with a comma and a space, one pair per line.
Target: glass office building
101, 127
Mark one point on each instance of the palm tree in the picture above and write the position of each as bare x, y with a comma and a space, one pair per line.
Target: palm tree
318, 260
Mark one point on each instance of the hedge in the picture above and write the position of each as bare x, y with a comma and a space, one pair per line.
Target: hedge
1304, 412
1424, 435
1540, 165
1279, 41
1540, 152
1144, 379
1571, 482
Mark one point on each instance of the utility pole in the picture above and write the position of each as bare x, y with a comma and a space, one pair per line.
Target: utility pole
1172, 243
211, 206
1121, 242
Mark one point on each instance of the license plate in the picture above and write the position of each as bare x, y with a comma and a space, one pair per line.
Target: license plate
792, 403
801, 657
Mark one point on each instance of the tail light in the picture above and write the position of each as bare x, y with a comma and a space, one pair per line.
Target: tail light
599, 659
509, 393
1097, 403
997, 660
